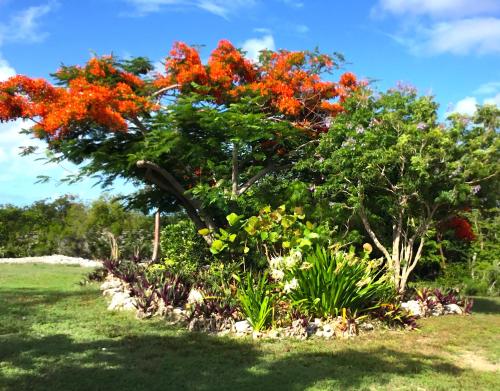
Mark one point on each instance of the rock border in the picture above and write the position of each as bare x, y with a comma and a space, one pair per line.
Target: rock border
336, 327
120, 297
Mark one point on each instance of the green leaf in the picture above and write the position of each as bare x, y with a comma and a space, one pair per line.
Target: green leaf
217, 246
273, 237
287, 221
233, 218
223, 233
304, 242
204, 231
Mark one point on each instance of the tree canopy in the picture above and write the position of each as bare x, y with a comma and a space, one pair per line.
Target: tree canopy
202, 134
390, 163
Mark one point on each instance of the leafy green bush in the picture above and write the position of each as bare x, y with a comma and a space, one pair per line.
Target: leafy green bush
257, 239
183, 250
329, 280
256, 300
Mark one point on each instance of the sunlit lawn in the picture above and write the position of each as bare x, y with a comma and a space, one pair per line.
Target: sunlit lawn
57, 335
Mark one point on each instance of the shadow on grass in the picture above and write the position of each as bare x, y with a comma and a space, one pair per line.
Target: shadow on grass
197, 362
20, 307
485, 305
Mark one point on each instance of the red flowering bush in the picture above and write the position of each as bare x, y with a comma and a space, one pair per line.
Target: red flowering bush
462, 228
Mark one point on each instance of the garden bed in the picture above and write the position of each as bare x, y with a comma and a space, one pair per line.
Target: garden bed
58, 335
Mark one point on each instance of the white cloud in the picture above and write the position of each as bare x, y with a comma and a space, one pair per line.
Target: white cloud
6, 70
24, 26
11, 141
301, 28
466, 106
294, 3
19, 173
221, 8
460, 37
253, 46
262, 30
495, 100
437, 8
149, 6
488, 88
432, 27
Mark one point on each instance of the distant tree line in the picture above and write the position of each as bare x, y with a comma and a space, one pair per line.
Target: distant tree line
70, 227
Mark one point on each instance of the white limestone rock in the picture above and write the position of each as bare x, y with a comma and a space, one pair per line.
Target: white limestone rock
413, 307
243, 327
118, 301
453, 309
195, 296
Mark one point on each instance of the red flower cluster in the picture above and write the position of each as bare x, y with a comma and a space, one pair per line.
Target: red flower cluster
184, 67
462, 227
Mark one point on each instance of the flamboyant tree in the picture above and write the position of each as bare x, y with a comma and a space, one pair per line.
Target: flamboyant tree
198, 136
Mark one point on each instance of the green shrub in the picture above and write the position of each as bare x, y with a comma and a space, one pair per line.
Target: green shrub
330, 280
256, 300
183, 250
258, 238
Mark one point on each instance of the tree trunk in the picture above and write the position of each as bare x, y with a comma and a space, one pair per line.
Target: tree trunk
235, 173
156, 240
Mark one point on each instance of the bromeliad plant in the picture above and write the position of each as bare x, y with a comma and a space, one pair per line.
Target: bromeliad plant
394, 315
432, 298
172, 290
126, 270
329, 280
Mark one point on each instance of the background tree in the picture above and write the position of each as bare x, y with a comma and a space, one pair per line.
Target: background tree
388, 161
70, 227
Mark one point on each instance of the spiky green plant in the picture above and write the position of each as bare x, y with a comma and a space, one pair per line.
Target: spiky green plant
329, 280
256, 300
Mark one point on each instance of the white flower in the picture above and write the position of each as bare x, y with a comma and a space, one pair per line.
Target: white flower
277, 274
276, 262
293, 259
293, 284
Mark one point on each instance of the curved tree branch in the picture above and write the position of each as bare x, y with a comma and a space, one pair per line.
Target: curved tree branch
169, 183
270, 167
373, 236
165, 89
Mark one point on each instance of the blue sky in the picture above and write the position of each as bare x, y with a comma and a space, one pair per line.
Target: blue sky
449, 48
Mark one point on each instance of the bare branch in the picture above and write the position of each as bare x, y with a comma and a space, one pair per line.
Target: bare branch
139, 124
190, 210
165, 89
270, 167
373, 236
482, 179
235, 173
174, 187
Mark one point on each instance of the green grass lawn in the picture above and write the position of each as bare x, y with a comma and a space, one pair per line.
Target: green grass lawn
57, 335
